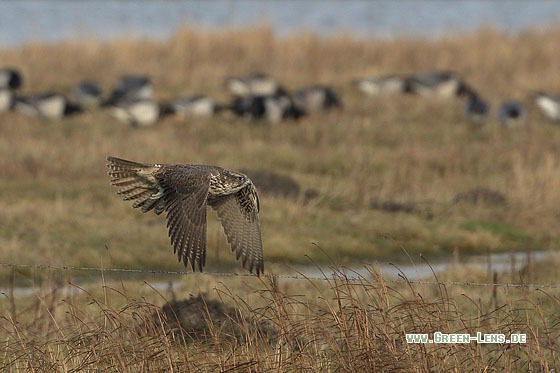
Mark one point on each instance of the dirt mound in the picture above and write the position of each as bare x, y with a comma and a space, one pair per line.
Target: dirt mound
200, 317
481, 195
392, 206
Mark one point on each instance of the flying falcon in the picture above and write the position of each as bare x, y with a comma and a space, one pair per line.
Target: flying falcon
183, 191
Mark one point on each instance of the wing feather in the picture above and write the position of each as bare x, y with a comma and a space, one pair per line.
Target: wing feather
186, 213
239, 216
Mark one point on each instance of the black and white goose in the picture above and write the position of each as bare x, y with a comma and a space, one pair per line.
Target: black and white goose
131, 88
7, 99
549, 104
381, 85
477, 110
191, 106
512, 113
271, 108
10, 78
435, 84
48, 105
87, 93
131, 103
10, 81
256, 84
137, 113
317, 97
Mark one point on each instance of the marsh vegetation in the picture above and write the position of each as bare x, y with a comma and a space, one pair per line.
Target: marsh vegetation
388, 175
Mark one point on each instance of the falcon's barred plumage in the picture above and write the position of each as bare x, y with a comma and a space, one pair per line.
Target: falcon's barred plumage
183, 191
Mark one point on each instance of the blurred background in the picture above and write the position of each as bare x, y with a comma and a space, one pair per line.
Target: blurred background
55, 20
369, 177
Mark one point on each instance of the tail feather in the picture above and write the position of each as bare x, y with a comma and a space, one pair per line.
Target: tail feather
137, 182
138, 193
124, 164
124, 182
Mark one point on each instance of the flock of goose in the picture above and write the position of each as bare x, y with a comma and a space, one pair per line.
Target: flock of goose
477, 110
256, 97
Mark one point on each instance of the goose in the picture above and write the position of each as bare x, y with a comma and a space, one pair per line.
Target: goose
87, 93
137, 113
512, 113
7, 99
549, 104
10, 78
477, 110
316, 98
381, 85
435, 83
131, 88
192, 106
272, 108
48, 105
258, 84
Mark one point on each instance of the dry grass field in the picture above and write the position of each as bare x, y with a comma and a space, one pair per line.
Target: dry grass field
58, 209
246, 324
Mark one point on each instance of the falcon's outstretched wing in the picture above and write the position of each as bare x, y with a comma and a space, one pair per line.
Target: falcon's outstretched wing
185, 193
239, 215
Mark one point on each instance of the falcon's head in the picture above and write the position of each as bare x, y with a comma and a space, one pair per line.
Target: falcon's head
229, 182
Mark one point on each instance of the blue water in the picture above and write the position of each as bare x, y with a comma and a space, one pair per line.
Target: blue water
54, 20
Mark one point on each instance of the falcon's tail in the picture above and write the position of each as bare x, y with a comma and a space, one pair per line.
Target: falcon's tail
137, 182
